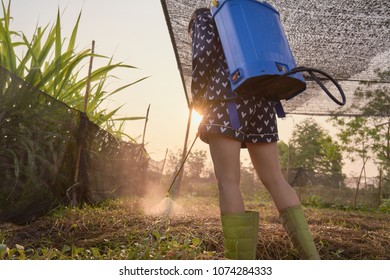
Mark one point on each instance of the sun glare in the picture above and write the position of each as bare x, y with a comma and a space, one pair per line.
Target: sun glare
196, 118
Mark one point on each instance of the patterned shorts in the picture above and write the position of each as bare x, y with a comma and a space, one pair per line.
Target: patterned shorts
249, 120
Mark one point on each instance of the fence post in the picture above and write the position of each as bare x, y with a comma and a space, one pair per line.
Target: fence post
74, 199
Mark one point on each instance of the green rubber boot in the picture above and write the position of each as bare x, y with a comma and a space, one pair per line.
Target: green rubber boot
240, 233
295, 224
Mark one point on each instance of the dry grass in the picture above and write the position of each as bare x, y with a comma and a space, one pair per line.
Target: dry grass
122, 230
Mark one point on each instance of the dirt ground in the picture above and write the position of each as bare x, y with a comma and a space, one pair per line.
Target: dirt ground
348, 235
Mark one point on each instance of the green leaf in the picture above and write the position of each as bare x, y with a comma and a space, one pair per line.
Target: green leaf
126, 86
7, 50
196, 241
72, 40
129, 119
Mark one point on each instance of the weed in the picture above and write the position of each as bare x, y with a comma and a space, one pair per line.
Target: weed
315, 201
385, 206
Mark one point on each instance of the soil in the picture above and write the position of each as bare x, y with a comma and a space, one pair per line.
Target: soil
348, 235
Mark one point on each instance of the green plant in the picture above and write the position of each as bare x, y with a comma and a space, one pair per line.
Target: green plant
313, 201
385, 206
55, 68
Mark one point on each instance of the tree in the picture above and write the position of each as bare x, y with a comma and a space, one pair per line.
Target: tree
355, 139
283, 155
196, 163
311, 149
377, 110
369, 134
194, 166
249, 180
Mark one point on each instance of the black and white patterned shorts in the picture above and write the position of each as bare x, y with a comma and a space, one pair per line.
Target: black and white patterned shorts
249, 120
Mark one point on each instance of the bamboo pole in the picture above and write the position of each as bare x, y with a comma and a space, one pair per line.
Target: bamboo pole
89, 78
74, 200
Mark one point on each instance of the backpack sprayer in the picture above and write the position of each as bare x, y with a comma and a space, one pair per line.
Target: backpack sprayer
257, 52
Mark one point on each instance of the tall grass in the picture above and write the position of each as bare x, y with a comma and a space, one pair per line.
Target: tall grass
52, 64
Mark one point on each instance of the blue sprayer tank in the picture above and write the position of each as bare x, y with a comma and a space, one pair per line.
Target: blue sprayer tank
256, 49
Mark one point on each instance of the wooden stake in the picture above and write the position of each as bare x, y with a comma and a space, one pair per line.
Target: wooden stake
74, 201
89, 78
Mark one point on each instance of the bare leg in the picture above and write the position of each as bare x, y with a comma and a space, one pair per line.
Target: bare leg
225, 153
265, 159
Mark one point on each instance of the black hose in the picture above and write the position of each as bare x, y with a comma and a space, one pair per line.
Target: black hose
311, 72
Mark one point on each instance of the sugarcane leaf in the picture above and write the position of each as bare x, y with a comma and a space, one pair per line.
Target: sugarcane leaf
129, 119
72, 40
7, 49
57, 57
128, 85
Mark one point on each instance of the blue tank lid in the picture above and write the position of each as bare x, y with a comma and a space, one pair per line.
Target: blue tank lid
215, 10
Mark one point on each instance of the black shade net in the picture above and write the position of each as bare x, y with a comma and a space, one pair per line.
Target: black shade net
51, 154
348, 39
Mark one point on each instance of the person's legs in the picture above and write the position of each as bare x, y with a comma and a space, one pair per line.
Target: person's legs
240, 228
265, 160
225, 153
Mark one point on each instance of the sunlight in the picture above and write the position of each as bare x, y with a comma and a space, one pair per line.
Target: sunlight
196, 119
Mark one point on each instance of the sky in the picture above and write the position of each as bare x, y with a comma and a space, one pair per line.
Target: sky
133, 32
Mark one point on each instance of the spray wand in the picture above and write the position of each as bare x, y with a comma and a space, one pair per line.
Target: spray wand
181, 167
165, 206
